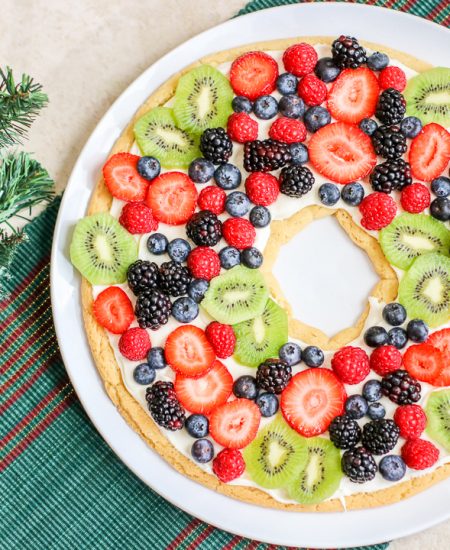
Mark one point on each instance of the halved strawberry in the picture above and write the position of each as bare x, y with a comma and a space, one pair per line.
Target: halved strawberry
235, 424
441, 341
311, 400
430, 152
354, 95
122, 178
113, 310
172, 197
203, 394
253, 74
188, 351
424, 362
342, 152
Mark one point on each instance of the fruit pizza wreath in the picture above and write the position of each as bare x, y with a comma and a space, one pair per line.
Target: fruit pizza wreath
191, 333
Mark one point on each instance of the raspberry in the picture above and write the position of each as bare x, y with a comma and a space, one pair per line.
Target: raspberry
222, 339
262, 188
312, 90
242, 128
415, 198
238, 232
134, 344
228, 465
300, 59
419, 454
204, 263
411, 420
212, 198
385, 359
392, 77
377, 210
288, 130
136, 217
350, 364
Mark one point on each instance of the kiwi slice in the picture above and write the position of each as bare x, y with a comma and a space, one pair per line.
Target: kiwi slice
425, 289
261, 337
101, 249
237, 295
428, 96
412, 235
320, 473
158, 135
202, 99
438, 417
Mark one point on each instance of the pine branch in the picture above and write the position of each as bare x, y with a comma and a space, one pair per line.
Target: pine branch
19, 105
8, 249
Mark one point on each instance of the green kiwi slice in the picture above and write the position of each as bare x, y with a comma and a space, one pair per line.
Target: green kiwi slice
202, 99
158, 135
274, 458
237, 295
261, 337
101, 249
412, 235
428, 96
437, 410
320, 474
425, 289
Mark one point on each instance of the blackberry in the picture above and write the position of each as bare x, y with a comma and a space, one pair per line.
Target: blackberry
142, 275
358, 465
174, 278
380, 436
391, 175
344, 432
266, 155
216, 146
401, 388
153, 309
391, 107
296, 181
389, 142
204, 228
273, 375
347, 53
164, 406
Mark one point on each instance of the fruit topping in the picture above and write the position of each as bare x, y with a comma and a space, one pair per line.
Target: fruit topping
296, 181
359, 465
391, 107
153, 308
228, 465
385, 359
253, 74
266, 155
391, 175
401, 388
204, 228
216, 146
345, 432
300, 59
203, 263
188, 351
164, 406
437, 410
235, 424
415, 198
123, 179
113, 310
380, 436
222, 339
238, 232
419, 454
424, 362
350, 364
428, 96
134, 344
172, 197
262, 188
312, 90
377, 210
347, 52
392, 77
429, 153
242, 128
411, 420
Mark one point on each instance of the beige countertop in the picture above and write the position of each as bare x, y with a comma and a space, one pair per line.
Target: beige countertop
85, 53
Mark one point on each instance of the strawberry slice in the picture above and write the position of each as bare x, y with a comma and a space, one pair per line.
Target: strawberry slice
172, 197
113, 310
188, 351
122, 178
311, 400
424, 362
253, 74
354, 95
430, 152
235, 424
342, 152
441, 341
202, 395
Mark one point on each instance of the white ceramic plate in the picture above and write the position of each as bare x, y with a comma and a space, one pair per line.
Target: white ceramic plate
407, 33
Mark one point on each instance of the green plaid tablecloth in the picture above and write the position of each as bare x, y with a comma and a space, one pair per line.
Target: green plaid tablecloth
60, 484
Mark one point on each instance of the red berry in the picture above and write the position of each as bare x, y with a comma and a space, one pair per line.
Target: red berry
122, 178
253, 74
392, 77
415, 198
350, 364
134, 344
288, 130
242, 128
238, 232
222, 339
411, 419
235, 424
113, 310
441, 341
385, 359
212, 198
172, 197
312, 90
203, 263
137, 218
300, 59
188, 351
419, 454
228, 465
424, 362
377, 210
262, 188
429, 153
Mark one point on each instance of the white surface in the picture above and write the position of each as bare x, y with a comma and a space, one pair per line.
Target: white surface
404, 32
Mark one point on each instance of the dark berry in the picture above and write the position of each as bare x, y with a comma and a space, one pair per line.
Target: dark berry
299, 153
411, 126
287, 84
164, 406
394, 314
401, 388
359, 465
245, 386
377, 61
417, 330
291, 106
237, 204
389, 142
216, 145
152, 309
185, 309
202, 451
144, 374
397, 337
440, 209
392, 467
197, 425
372, 390
251, 257
375, 337
352, 193
156, 358
157, 244
241, 104
201, 170
204, 228
380, 436
391, 175
290, 353
329, 194
313, 356
344, 432
315, 118
265, 107
178, 250
326, 69
148, 167
391, 107
347, 53
273, 375
259, 216
229, 257
268, 404
197, 288
296, 181
266, 155
174, 278
441, 186
142, 275
368, 126
228, 176
376, 411
356, 406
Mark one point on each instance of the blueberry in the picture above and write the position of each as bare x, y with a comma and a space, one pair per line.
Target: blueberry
392, 467
237, 204
417, 330
397, 337
441, 186
156, 358
241, 104
313, 356
352, 193
268, 404
394, 314
372, 391
265, 107
291, 106
157, 243
290, 353
245, 386
440, 209
376, 411
197, 288
197, 425
356, 406
229, 257
410, 126
377, 61
144, 374
260, 216
185, 309
202, 451
315, 118
375, 337
201, 170
148, 167
368, 126
251, 257
287, 84
329, 194
326, 70
299, 153
178, 250
228, 176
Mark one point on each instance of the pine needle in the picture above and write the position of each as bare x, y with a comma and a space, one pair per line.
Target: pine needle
8, 248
